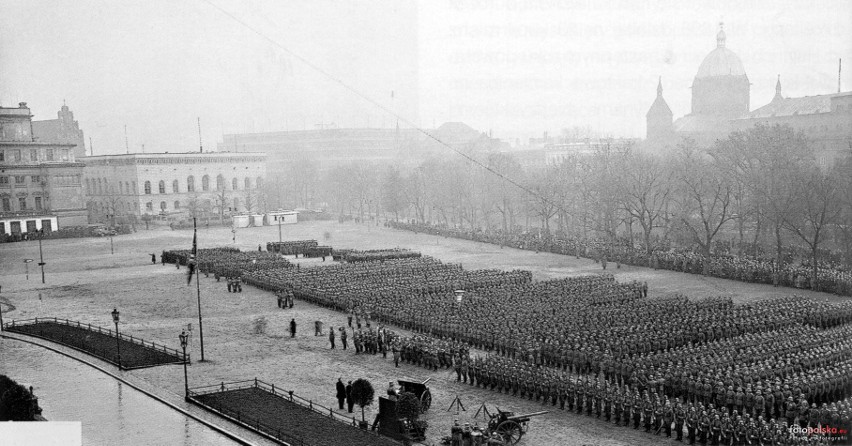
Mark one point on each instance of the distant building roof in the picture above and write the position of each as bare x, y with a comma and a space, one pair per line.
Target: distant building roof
806, 105
721, 61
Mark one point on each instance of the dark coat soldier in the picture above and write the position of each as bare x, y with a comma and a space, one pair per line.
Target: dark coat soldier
691, 424
679, 419
668, 418
341, 393
292, 328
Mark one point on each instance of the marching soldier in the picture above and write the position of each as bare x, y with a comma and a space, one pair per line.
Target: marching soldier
668, 418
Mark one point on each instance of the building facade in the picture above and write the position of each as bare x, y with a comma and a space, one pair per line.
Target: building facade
40, 182
126, 187
62, 130
720, 105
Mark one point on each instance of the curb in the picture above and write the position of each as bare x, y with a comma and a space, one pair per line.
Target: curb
221, 430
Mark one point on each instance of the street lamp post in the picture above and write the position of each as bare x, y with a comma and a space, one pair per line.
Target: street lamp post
183, 341
41, 256
110, 218
1, 317
115, 316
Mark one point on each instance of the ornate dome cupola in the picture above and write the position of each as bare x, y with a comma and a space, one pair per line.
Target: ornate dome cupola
721, 87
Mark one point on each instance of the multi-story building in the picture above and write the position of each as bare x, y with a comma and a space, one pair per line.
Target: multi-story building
331, 147
720, 105
63, 130
124, 187
40, 182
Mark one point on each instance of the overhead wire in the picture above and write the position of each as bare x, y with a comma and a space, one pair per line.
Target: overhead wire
378, 105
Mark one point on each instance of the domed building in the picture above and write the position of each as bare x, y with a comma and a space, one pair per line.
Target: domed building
721, 87
720, 93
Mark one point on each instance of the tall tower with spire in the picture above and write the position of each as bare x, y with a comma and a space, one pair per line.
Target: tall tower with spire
658, 120
778, 96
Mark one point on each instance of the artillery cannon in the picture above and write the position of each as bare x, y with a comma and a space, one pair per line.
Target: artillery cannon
421, 390
510, 426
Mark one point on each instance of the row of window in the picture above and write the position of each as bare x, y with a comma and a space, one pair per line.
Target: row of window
32, 226
205, 184
33, 155
100, 186
120, 207
23, 204
19, 179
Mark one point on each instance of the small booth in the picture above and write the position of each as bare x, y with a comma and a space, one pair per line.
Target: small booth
241, 221
256, 219
282, 217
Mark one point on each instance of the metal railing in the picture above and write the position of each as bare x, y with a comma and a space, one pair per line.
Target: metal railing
287, 395
104, 354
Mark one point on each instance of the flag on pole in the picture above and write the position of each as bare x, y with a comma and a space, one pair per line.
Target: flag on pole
194, 253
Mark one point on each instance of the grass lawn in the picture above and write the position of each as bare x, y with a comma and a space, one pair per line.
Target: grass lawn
99, 343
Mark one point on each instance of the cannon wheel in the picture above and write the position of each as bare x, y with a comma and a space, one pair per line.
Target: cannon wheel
510, 431
425, 400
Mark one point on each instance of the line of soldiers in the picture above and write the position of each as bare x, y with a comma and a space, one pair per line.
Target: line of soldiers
831, 277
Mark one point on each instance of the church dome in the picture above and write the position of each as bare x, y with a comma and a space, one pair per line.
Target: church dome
721, 61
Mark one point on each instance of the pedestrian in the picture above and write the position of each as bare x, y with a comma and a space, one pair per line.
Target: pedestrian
349, 402
341, 393
331, 336
293, 328
317, 328
154, 259
258, 248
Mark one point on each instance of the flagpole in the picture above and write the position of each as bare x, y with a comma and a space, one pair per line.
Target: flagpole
198, 286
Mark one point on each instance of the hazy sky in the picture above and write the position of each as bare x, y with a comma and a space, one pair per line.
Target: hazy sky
516, 67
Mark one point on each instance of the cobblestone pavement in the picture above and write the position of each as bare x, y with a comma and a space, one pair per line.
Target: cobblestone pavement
84, 282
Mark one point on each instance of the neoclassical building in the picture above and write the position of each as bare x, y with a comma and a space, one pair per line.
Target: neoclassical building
720, 105
40, 182
161, 184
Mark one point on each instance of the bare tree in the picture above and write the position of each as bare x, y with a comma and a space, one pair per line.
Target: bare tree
220, 203
645, 188
705, 199
817, 201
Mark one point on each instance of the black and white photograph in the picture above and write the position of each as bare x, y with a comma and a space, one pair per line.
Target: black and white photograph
425, 223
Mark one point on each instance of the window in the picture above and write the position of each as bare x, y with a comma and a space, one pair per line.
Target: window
35, 179
127, 187
20, 179
147, 188
38, 203
22, 203
17, 155
2, 156
64, 154
162, 187
135, 189
248, 183
177, 205
88, 187
149, 206
235, 184
162, 205
175, 188
190, 183
100, 187
258, 183
121, 188
4, 181
7, 205
236, 204
33, 155
50, 154
220, 182
205, 183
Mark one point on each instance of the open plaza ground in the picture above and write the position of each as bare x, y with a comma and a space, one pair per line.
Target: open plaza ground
85, 282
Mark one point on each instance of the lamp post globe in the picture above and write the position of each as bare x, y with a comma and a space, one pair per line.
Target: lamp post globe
115, 318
